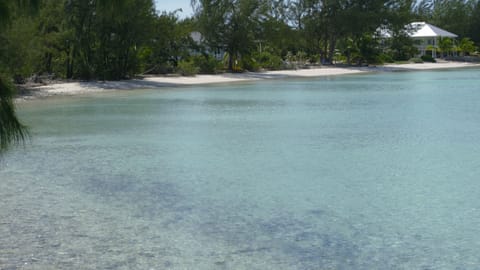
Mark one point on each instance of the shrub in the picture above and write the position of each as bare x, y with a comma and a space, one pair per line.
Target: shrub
428, 58
375, 60
187, 68
385, 58
163, 68
416, 60
207, 64
268, 60
314, 59
248, 63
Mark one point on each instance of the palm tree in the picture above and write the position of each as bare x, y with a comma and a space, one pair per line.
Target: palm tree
11, 130
466, 46
445, 45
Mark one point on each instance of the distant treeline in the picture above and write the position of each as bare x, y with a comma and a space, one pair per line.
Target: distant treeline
101, 39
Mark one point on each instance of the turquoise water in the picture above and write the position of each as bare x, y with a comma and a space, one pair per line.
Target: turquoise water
376, 171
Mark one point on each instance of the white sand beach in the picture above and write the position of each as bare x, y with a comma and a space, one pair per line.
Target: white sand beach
150, 82
431, 66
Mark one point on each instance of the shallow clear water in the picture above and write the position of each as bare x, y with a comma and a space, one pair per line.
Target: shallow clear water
377, 171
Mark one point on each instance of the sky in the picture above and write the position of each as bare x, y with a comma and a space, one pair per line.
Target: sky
172, 5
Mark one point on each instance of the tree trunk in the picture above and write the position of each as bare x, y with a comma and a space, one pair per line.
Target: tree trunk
230, 61
48, 63
331, 52
70, 54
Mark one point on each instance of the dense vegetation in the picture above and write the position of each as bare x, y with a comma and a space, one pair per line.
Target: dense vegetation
119, 39
100, 39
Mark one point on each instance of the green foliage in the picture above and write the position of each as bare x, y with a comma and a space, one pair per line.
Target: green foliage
328, 23
386, 58
12, 8
4, 13
170, 42
453, 15
369, 50
467, 46
416, 60
301, 57
349, 50
19, 51
11, 130
105, 37
187, 68
52, 36
268, 60
474, 22
276, 34
314, 58
428, 58
102, 39
446, 46
207, 64
401, 47
247, 63
229, 24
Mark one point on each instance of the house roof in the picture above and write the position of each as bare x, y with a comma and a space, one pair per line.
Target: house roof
423, 29
197, 37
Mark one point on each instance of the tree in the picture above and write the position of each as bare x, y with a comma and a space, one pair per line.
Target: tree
466, 46
445, 45
230, 25
453, 15
170, 42
276, 31
297, 12
11, 130
401, 47
106, 37
328, 23
19, 48
474, 25
122, 27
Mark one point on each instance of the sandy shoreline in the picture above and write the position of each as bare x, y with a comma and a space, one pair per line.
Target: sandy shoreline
431, 66
78, 88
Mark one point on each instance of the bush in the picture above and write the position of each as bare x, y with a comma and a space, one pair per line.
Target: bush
375, 60
207, 64
385, 58
163, 68
314, 59
268, 60
187, 68
428, 58
416, 60
248, 63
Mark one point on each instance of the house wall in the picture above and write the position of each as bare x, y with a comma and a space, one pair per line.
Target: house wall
424, 44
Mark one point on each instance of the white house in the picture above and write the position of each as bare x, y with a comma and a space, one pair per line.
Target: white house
427, 36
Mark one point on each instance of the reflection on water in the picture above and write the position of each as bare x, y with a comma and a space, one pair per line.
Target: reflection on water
358, 172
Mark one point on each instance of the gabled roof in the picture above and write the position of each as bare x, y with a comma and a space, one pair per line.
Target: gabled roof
423, 29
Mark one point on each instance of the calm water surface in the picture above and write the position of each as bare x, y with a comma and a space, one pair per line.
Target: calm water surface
377, 171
